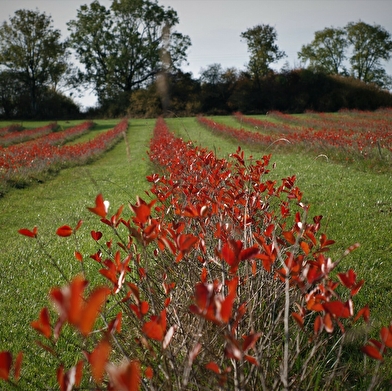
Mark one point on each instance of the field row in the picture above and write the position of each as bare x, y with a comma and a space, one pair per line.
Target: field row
21, 162
370, 142
17, 135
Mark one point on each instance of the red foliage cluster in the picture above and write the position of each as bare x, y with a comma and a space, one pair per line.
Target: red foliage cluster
48, 151
224, 242
323, 130
25, 135
10, 129
217, 187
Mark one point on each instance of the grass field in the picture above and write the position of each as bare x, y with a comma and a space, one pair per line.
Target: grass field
356, 205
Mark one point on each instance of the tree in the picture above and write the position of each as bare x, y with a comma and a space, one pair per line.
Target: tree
11, 92
123, 48
327, 51
217, 85
30, 47
263, 49
370, 46
212, 74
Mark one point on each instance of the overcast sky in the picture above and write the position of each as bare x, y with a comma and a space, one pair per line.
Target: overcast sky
214, 26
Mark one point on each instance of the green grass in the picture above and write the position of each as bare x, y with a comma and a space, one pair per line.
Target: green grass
27, 274
356, 205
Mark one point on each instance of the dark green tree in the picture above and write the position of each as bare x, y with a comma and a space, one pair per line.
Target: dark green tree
30, 47
327, 51
217, 85
11, 91
370, 46
261, 41
123, 48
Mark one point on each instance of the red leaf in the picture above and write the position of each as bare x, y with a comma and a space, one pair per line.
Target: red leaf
69, 302
231, 252
78, 256
305, 247
251, 359
250, 341
100, 207
232, 349
116, 323
5, 365
213, 367
386, 336
203, 276
364, 312
149, 373
98, 359
186, 242
79, 373
78, 225
324, 241
348, 279
338, 309
154, 329
356, 288
299, 319
70, 378
96, 235
144, 307
249, 253
289, 236
227, 304
27, 232
203, 293
372, 352
42, 325
91, 308
64, 231
60, 378
318, 325
142, 210
126, 377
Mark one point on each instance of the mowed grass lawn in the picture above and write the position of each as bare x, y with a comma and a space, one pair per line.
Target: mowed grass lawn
356, 205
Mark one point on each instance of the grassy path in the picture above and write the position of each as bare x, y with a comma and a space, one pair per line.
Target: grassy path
26, 276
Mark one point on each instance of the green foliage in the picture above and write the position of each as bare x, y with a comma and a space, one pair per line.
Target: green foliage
327, 51
304, 89
121, 47
371, 45
262, 48
368, 45
31, 49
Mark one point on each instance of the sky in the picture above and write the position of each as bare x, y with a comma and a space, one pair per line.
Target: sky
215, 26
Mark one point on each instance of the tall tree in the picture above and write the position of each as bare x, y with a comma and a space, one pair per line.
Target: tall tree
121, 48
261, 41
30, 47
370, 46
11, 94
327, 51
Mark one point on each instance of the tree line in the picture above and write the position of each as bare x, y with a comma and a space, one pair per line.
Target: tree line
130, 55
